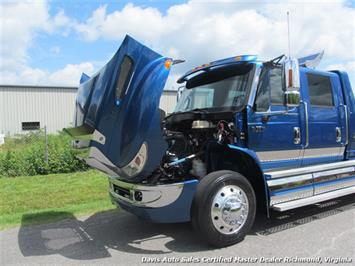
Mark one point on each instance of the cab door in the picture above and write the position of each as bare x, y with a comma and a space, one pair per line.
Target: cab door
324, 107
273, 133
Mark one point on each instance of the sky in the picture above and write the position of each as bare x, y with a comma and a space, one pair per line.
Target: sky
52, 42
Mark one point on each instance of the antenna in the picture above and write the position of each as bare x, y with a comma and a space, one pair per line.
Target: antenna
288, 34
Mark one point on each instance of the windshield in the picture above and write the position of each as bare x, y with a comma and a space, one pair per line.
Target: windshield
227, 88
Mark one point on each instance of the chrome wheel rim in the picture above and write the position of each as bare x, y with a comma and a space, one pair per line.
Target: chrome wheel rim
229, 211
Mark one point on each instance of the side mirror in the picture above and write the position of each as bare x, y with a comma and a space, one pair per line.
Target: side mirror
292, 98
179, 92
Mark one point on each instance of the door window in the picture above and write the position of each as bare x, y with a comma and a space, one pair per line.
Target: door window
320, 90
270, 89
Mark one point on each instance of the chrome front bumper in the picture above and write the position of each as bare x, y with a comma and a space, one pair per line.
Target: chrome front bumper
159, 203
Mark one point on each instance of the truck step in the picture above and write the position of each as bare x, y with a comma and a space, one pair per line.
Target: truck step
313, 199
309, 169
298, 186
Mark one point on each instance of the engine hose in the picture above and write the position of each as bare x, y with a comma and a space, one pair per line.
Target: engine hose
182, 160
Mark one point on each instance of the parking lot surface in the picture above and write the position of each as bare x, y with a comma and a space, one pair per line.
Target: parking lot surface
322, 233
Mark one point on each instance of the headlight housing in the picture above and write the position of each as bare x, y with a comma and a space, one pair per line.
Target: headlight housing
138, 162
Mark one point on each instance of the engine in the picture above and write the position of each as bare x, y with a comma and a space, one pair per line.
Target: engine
187, 141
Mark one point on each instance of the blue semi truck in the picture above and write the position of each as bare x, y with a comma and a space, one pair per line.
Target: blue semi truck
245, 136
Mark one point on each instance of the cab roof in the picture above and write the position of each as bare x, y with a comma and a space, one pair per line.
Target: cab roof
308, 61
216, 64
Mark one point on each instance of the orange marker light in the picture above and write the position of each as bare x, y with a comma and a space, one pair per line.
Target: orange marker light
168, 64
290, 85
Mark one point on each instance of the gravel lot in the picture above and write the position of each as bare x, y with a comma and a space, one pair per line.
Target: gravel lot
317, 233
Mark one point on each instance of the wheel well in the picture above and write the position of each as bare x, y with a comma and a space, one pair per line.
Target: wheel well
224, 158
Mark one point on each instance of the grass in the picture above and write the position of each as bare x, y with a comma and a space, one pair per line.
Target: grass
42, 198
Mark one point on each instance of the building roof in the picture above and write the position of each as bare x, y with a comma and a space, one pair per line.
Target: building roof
37, 87
50, 87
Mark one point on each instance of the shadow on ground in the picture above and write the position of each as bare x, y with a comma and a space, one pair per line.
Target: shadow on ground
93, 237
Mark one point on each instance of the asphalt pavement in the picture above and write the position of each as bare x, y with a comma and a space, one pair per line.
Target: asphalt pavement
318, 234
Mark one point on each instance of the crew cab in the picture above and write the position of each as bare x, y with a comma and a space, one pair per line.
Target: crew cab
246, 136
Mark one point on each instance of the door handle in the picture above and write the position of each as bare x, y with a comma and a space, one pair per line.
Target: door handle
338, 134
296, 135
258, 129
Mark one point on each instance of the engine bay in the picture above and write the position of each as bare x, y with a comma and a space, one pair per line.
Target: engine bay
188, 135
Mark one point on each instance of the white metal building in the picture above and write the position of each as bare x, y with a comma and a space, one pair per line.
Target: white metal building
24, 108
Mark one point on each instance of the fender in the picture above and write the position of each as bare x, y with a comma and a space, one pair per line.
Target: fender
251, 155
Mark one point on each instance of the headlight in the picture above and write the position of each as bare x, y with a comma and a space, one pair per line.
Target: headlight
138, 162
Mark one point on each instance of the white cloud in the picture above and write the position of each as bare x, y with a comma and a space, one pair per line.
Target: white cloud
197, 31
201, 32
70, 74
60, 19
349, 67
19, 23
67, 76
230, 27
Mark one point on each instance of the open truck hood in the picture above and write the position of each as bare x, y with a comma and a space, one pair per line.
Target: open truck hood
117, 109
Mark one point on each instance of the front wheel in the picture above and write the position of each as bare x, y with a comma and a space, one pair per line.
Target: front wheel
224, 208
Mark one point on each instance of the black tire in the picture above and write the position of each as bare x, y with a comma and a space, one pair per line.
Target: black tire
202, 204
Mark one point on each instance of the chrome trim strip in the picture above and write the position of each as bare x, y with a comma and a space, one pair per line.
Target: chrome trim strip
333, 175
330, 186
307, 126
291, 187
291, 196
322, 152
269, 156
99, 161
308, 169
314, 199
152, 196
287, 182
334, 172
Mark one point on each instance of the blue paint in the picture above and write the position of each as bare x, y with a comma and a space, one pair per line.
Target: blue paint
277, 131
249, 152
219, 63
349, 101
322, 120
84, 77
128, 121
253, 155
